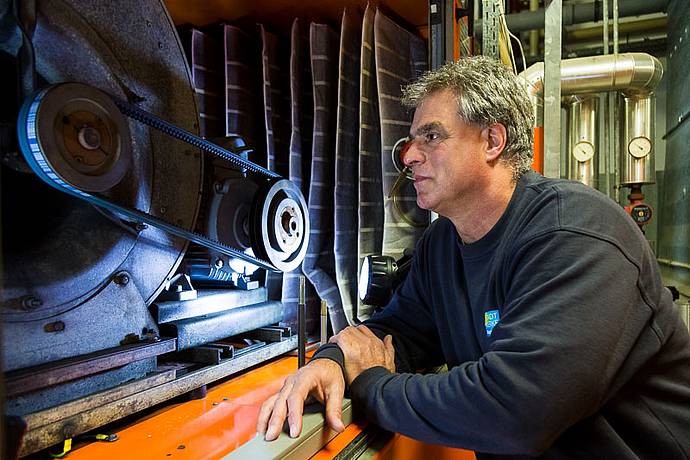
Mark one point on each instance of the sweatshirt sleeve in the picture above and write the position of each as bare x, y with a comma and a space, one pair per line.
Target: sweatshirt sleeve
573, 311
408, 318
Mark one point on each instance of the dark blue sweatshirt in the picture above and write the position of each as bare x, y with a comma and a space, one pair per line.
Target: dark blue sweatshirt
560, 339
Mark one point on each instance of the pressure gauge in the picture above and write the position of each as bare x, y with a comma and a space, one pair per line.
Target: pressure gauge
639, 147
583, 151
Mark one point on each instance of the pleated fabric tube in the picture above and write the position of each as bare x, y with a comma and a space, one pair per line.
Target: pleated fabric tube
370, 231
400, 59
276, 98
319, 263
207, 77
243, 116
347, 163
301, 115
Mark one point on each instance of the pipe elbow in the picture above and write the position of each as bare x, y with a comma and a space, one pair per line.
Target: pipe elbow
533, 79
647, 73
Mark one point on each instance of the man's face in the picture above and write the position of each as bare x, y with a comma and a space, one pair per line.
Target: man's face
445, 154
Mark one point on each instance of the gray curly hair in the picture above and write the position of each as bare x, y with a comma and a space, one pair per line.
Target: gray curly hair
486, 92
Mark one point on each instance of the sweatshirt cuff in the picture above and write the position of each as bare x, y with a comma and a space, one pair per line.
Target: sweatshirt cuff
333, 352
361, 387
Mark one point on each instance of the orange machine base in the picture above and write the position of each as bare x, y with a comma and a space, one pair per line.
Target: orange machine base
212, 427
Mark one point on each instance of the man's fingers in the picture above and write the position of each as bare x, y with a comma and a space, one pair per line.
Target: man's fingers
265, 414
279, 411
295, 407
334, 408
275, 423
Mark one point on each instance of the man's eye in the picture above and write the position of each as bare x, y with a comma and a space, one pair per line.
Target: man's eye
430, 137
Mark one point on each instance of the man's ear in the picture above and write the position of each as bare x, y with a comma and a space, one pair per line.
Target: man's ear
496, 137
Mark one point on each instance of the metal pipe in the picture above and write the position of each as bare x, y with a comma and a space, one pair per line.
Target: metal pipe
583, 139
607, 120
637, 140
632, 73
533, 34
301, 323
579, 13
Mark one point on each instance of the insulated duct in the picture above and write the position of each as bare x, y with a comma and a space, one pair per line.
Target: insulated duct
583, 139
635, 75
577, 13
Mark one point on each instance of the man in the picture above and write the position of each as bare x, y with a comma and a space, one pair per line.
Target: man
541, 296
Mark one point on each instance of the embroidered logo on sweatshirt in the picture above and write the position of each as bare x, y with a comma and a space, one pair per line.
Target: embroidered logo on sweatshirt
491, 319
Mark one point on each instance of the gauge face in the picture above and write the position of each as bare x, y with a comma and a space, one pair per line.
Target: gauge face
639, 147
583, 151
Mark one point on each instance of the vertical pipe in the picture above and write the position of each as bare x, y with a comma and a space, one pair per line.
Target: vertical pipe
301, 323
636, 140
606, 117
553, 20
533, 34
615, 106
324, 322
583, 139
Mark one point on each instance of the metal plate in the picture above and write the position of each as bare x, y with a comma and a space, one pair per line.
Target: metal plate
129, 49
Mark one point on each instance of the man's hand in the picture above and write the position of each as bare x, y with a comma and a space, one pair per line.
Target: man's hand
323, 379
363, 350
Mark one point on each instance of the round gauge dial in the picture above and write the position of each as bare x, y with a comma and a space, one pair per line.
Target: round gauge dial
583, 151
639, 147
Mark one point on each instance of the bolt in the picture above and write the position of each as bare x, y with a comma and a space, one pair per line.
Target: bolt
140, 227
160, 45
122, 279
148, 23
163, 209
31, 302
56, 326
218, 263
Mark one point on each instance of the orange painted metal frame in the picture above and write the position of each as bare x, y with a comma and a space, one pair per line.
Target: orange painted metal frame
538, 162
201, 429
212, 427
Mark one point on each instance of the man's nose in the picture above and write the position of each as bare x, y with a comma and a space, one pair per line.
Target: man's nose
411, 154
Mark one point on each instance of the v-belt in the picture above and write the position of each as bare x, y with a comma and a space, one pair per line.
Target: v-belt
29, 142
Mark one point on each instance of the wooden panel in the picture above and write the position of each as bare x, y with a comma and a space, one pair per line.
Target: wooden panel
279, 13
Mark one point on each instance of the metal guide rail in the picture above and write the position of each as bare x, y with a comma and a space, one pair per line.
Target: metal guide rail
74, 137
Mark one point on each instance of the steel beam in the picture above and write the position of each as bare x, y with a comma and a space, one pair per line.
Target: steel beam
552, 88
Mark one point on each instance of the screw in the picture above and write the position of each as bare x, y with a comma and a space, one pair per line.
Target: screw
148, 23
218, 263
163, 209
31, 302
140, 227
57, 326
122, 279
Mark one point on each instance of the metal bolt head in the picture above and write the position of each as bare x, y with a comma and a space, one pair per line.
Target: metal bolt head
121, 279
218, 263
56, 326
31, 302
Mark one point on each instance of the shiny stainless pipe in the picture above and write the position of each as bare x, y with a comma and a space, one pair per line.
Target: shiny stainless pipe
583, 139
637, 140
630, 73
635, 75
